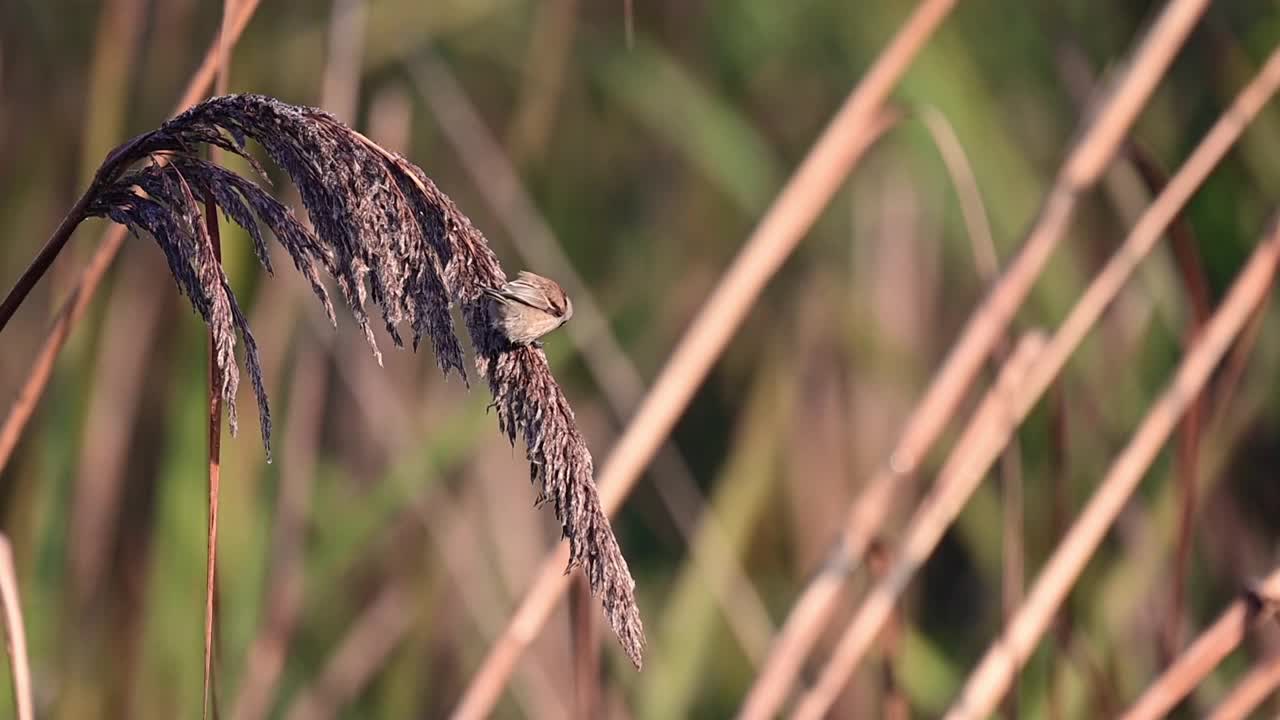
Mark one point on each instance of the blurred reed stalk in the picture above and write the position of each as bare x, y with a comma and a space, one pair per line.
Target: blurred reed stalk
1079, 80
586, 653
977, 449
1256, 605
1255, 687
363, 649
1080, 171
15, 634
266, 656
991, 678
987, 264
855, 127
1186, 256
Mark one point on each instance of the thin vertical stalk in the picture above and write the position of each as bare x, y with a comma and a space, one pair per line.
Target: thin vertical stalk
215, 405
1190, 269
15, 634
215, 472
586, 651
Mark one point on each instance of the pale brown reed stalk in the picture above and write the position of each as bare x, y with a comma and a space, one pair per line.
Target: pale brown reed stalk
536, 689
976, 451
78, 301
991, 679
132, 320
586, 652
1081, 169
859, 122
1216, 642
498, 182
210, 698
15, 634
1256, 686
215, 469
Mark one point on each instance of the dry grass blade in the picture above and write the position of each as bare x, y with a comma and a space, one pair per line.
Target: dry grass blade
1204, 654
860, 121
991, 678
972, 209
15, 633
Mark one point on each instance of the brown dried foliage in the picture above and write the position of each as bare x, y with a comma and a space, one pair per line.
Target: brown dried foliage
383, 231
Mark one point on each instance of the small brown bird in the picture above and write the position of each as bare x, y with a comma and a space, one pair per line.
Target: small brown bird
528, 307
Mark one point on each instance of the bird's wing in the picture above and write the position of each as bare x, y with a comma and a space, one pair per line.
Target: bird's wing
525, 292
494, 293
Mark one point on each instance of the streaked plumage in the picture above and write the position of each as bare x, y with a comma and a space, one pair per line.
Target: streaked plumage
528, 307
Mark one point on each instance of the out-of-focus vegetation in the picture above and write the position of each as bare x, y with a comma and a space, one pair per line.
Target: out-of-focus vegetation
404, 522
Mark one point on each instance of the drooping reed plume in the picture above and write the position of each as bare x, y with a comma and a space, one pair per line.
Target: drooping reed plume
384, 232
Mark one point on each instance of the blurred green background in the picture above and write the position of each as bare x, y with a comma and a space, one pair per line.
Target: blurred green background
366, 571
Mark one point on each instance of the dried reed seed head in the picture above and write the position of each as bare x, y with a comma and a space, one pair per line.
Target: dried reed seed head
384, 231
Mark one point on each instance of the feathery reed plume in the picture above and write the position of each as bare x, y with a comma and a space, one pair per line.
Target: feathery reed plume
383, 230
